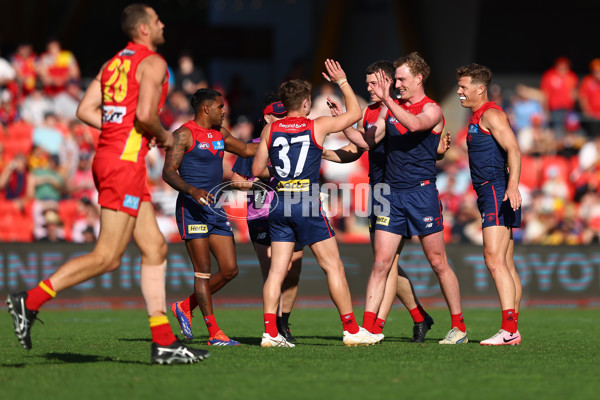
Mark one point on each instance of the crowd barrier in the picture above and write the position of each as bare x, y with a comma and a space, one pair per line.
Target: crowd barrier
552, 276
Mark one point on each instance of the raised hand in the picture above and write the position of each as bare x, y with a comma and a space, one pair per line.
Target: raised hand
335, 73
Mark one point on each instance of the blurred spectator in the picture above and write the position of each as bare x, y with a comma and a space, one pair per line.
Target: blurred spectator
48, 136
24, 61
176, 111
526, 103
188, 77
536, 139
53, 226
88, 220
574, 139
35, 106
7, 72
49, 184
559, 84
15, 181
589, 99
65, 103
56, 67
8, 108
81, 185
69, 151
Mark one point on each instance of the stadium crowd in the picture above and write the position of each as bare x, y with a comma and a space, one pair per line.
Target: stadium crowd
47, 191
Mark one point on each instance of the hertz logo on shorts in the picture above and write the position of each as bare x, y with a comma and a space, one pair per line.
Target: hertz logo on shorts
295, 185
197, 229
383, 221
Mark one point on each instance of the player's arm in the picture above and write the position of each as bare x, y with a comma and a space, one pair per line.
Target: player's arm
346, 154
262, 152
424, 121
327, 125
182, 141
89, 109
237, 146
151, 74
241, 182
496, 122
444, 145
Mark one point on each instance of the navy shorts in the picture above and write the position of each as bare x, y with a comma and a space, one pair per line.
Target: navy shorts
415, 212
301, 223
494, 211
259, 233
198, 222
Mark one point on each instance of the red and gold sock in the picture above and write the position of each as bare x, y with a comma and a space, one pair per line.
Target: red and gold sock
416, 315
349, 322
161, 330
211, 324
369, 320
509, 322
271, 324
39, 295
379, 324
458, 322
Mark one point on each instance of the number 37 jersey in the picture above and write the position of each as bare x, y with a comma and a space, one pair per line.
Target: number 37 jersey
295, 154
122, 137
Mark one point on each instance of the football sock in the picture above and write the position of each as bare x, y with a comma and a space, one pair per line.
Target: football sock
40, 294
509, 322
285, 317
189, 303
161, 330
422, 310
416, 315
211, 324
369, 320
349, 322
458, 322
271, 324
379, 324
517, 320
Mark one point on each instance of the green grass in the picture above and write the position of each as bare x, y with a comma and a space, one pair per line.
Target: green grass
105, 355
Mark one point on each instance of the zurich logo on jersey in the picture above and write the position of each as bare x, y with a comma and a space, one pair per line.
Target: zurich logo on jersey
218, 145
473, 128
203, 146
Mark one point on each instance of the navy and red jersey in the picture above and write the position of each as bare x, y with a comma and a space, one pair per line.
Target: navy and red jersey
122, 137
377, 158
294, 154
487, 159
411, 156
202, 165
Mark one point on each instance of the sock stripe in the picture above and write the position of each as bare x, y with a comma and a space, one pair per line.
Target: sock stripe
47, 289
156, 321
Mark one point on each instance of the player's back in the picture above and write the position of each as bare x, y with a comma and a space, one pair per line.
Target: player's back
294, 154
121, 136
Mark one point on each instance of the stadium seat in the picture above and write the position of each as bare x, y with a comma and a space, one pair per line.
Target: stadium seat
531, 172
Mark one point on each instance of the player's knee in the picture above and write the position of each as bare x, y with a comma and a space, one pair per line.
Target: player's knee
381, 266
230, 273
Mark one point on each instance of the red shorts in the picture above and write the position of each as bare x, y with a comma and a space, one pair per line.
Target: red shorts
121, 184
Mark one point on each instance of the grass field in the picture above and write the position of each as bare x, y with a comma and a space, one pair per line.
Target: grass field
105, 355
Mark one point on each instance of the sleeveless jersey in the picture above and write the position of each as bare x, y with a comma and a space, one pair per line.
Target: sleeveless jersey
202, 165
487, 160
295, 154
376, 154
411, 156
259, 201
122, 137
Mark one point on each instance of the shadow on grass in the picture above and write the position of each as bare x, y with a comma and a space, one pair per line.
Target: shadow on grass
74, 358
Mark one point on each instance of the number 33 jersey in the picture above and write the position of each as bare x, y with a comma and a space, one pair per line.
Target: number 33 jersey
295, 154
122, 137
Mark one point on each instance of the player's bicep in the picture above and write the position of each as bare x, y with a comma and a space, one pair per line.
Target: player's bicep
182, 140
152, 74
